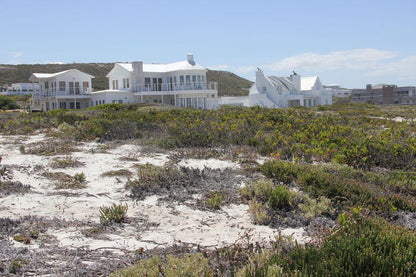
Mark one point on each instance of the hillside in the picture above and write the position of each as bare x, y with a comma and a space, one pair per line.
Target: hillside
229, 84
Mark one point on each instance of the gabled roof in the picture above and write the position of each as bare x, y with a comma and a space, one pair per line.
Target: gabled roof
163, 68
307, 83
41, 76
284, 82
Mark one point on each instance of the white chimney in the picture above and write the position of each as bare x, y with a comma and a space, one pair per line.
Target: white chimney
137, 75
296, 81
190, 58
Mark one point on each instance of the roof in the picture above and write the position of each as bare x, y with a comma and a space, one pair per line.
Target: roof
307, 83
37, 76
161, 68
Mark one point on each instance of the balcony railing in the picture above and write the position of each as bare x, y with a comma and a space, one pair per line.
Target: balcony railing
167, 87
52, 92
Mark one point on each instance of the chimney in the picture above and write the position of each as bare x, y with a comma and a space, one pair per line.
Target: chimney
190, 58
137, 75
296, 81
137, 67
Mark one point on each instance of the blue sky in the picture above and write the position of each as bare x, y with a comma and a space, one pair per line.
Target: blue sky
349, 43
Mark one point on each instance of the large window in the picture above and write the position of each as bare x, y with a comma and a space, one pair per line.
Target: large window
85, 86
181, 80
61, 86
76, 87
71, 87
126, 83
147, 83
188, 80
115, 84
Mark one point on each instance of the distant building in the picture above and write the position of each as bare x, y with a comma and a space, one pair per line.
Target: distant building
338, 91
283, 92
20, 89
384, 94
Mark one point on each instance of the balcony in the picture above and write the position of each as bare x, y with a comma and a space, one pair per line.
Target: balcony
171, 88
68, 93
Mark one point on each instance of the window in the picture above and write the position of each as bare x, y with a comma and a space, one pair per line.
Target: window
114, 101
194, 79
188, 80
62, 86
85, 86
46, 85
115, 84
120, 101
71, 87
126, 83
62, 105
76, 87
181, 80
147, 83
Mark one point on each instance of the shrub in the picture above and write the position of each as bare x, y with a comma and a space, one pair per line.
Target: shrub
119, 172
258, 212
113, 214
280, 198
7, 103
214, 200
315, 207
189, 265
360, 247
65, 163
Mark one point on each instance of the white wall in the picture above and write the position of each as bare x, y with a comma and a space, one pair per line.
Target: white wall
108, 96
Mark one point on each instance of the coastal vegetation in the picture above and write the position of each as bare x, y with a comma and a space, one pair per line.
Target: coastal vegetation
352, 164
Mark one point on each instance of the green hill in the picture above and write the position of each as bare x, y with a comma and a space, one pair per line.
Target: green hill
229, 84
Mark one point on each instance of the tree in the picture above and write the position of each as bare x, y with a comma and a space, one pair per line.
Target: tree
7, 103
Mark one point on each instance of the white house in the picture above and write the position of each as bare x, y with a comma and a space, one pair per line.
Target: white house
181, 84
283, 92
21, 89
69, 89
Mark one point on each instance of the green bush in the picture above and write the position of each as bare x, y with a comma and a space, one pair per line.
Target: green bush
113, 214
187, 266
214, 200
360, 247
8, 103
280, 198
258, 212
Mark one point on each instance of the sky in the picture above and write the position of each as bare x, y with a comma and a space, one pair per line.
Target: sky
349, 43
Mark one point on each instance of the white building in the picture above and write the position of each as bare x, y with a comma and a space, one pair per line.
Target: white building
338, 91
181, 84
21, 89
69, 89
284, 92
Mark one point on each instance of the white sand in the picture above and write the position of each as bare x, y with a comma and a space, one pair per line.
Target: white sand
171, 224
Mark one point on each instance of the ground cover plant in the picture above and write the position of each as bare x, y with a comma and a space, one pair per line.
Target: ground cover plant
351, 164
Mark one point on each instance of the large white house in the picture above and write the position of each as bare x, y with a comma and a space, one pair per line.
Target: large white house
283, 92
69, 89
181, 84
